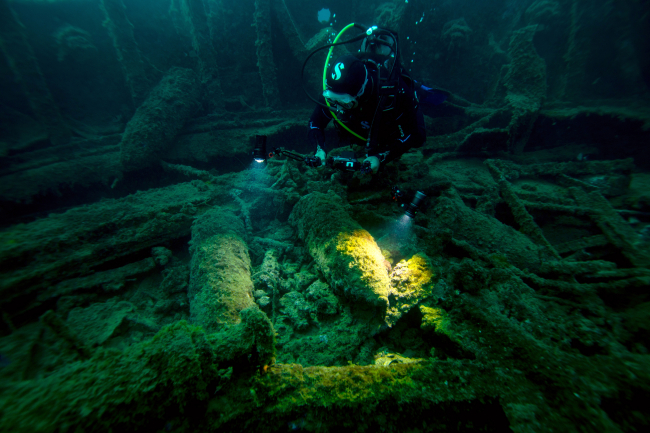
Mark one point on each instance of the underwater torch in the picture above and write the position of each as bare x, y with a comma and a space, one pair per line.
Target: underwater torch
412, 207
259, 152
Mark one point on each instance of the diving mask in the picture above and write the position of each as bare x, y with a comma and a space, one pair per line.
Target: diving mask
341, 101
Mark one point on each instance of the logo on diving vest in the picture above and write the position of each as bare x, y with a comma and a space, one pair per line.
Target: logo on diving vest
365, 124
337, 71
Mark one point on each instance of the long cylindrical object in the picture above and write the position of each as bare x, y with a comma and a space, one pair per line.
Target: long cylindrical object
158, 120
220, 281
347, 254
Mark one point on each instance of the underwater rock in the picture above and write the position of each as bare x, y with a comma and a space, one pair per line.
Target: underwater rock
220, 283
296, 309
321, 296
158, 120
96, 324
175, 279
346, 254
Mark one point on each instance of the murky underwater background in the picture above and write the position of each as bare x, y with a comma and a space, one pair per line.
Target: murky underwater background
154, 277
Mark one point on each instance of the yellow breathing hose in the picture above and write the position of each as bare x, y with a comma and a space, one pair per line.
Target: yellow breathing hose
327, 60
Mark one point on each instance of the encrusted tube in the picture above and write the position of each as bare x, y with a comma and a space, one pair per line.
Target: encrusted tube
158, 120
347, 254
220, 281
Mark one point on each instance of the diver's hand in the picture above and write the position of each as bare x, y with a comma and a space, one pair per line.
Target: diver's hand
320, 153
373, 163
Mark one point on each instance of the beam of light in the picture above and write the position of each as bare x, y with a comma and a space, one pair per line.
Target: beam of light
401, 230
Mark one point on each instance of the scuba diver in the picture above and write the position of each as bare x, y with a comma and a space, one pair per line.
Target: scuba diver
373, 101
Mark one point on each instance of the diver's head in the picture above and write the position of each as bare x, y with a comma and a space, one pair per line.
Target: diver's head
379, 44
346, 83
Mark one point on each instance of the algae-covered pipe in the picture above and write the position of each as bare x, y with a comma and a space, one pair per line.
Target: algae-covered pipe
347, 254
159, 119
220, 280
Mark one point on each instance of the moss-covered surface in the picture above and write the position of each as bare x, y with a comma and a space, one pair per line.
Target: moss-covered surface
221, 285
411, 281
159, 119
481, 333
346, 253
361, 398
144, 386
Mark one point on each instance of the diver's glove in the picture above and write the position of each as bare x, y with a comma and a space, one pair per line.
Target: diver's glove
320, 153
371, 165
318, 160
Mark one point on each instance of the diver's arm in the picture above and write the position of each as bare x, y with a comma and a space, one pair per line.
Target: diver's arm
318, 121
409, 132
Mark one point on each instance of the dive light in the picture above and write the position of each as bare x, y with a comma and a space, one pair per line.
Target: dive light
259, 152
412, 208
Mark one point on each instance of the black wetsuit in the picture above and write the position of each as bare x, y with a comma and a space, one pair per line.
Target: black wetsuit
400, 126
